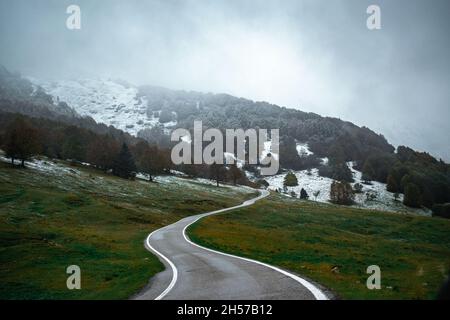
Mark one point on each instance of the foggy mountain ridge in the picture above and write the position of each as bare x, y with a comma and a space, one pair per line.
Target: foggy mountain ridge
152, 111
134, 108
327, 148
286, 53
141, 111
351, 181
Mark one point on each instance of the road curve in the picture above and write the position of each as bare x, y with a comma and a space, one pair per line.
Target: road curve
194, 272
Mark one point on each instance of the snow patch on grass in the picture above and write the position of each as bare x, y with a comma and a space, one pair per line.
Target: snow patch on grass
45, 165
312, 183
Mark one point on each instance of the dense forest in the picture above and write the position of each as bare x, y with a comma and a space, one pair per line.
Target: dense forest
325, 136
424, 180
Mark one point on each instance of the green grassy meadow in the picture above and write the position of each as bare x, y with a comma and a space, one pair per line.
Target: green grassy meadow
334, 245
72, 215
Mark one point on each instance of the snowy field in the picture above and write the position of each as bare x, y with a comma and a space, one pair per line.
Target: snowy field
315, 184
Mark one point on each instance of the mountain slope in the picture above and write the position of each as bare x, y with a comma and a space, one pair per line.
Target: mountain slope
107, 101
151, 112
54, 214
136, 110
21, 95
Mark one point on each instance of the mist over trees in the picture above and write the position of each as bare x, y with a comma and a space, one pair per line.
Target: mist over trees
63, 134
326, 137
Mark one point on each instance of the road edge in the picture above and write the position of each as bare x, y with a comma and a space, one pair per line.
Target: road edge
316, 292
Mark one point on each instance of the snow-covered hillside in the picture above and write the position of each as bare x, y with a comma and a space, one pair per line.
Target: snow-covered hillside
373, 196
320, 186
106, 101
116, 103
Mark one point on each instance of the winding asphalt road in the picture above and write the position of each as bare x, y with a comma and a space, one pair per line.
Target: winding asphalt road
194, 272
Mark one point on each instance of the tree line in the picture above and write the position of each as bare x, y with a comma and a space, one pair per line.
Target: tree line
23, 137
424, 180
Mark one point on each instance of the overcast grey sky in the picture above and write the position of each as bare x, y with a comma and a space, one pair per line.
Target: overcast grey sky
314, 55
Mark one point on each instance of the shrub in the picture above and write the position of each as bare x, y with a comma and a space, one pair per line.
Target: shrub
371, 196
412, 196
336, 171
316, 194
303, 194
73, 200
341, 193
262, 183
165, 116
357, 188
396, 196
290, 180
392, 185
441, 210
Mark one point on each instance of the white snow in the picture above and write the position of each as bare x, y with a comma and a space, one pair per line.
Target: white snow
312, 182
384, 199
45, 166
250, 176
178, 173
106, 101
230, 158
186, 139
303, 149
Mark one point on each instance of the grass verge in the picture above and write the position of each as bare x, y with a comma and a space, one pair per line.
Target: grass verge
53, 218
334, 245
